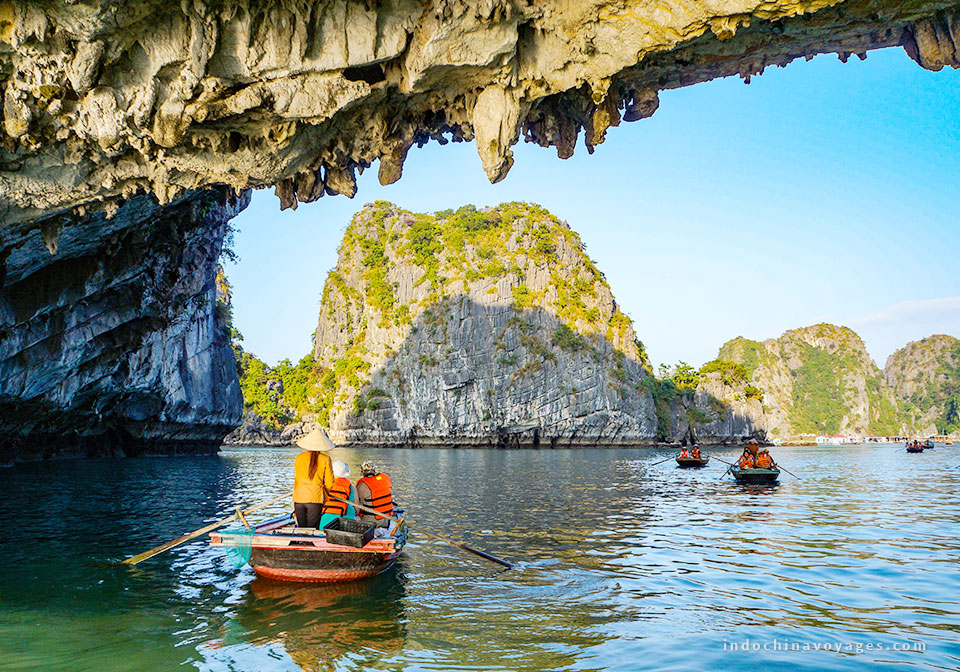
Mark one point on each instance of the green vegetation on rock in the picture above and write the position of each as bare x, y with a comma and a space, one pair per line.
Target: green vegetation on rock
818, 403
926, 375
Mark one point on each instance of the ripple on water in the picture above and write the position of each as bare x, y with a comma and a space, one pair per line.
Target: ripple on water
622, 564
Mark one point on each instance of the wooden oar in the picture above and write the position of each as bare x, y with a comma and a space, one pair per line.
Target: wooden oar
462, 547
672, 457
719, 460
789, 472
196, 533
726, 472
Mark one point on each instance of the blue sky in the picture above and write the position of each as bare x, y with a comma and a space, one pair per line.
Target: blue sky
819, 192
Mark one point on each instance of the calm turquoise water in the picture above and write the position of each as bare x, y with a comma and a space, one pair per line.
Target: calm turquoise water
622, 565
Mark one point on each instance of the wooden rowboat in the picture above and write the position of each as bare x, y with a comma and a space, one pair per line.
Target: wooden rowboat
911, 449
692, 462
281, 551
755, 476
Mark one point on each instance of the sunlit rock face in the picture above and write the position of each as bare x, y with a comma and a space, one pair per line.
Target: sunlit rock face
489, 328
111, 98
111, 341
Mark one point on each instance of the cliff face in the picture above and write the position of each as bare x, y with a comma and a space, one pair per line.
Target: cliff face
926, 376
105, 99
117, 118
810, 381
489, 327
110, 337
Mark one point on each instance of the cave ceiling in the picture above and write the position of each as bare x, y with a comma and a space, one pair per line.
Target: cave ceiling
105, 100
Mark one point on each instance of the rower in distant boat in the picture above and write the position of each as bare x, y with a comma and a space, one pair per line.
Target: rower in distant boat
695, 453
684, 453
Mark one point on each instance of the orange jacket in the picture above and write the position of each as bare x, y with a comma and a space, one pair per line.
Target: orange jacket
764, 461
746, 461
381, 494
308, 490
684, 452
340, 488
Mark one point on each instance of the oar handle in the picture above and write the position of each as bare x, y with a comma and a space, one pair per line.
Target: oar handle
196, 533
468, 549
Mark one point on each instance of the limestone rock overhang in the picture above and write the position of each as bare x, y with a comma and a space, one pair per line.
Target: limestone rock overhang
107, 99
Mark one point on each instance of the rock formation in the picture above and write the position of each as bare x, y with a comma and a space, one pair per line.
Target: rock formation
810, 381
110, 336
105, 99
925, 375
489, 327
120, 119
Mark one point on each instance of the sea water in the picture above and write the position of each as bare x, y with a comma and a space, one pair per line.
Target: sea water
621, 564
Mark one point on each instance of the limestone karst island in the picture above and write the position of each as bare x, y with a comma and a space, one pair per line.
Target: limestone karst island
479, 334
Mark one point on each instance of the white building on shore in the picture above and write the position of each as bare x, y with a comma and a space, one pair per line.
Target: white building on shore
837, 440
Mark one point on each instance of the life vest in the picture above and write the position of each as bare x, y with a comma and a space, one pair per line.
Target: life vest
746, 461
764, 461
696, 453
683, 453
381, 493
340, 488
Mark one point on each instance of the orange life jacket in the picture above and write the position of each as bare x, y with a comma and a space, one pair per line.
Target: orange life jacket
340, 488
683, 453
764, 461
696, 453
746, 461
381, 493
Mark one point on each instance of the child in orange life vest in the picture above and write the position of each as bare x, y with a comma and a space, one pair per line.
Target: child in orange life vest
342, 488
375, 491
747, 460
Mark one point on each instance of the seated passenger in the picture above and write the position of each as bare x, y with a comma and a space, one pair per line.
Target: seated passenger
746, 460
684, 453
342, 488
695, 452
764, 460
375, 492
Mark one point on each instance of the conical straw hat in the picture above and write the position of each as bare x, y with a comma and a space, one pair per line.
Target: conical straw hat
316, 440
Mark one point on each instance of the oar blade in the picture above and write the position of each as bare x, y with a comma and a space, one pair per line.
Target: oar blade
485, 556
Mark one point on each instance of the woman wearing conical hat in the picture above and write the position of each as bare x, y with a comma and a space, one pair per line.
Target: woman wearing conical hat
313, 477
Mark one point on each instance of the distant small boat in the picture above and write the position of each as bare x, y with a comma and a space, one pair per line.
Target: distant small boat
914, 449
755, 476
692, 462
283, 552
928, 445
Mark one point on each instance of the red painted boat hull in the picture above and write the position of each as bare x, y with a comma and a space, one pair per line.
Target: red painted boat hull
323, 563
310, 558
319, 575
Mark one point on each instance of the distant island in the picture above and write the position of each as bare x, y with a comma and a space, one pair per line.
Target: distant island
494, 327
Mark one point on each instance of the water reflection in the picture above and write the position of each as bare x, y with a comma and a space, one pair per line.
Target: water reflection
322, 626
